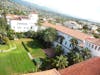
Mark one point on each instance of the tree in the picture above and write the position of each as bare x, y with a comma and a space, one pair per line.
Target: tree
96, 35
74, 57
77, 57
49, 35
29, 34
60, 62
46, 63
6, 40
11, 34
98, 29
85, 27
58, 50
86, 53
74, 42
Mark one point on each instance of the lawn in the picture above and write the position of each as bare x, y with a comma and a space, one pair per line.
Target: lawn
16, 61
6, 47
34, 47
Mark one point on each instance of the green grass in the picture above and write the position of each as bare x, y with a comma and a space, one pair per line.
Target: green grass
34, 47
16, 61
6, 47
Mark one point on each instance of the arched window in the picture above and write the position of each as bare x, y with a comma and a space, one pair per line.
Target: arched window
99, 49
92, 46
65, 42
95, 47
89, 44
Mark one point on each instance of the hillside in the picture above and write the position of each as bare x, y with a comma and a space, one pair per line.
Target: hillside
11, 6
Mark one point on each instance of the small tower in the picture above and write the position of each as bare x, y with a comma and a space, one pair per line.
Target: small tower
33, 16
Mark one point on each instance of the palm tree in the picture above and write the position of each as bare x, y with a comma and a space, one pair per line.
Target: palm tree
74, 57
58, 50
77, 58
86, 53
46, 63
49, 35
60, 62
74, 42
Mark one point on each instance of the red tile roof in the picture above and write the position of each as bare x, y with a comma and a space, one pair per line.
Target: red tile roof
34, 12
89, 67
68, 31
94, 41
48, 72
16, 17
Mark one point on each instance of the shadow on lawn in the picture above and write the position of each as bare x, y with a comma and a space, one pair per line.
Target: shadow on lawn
34, 44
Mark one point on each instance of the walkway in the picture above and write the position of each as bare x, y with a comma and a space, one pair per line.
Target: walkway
30, 56
4, 51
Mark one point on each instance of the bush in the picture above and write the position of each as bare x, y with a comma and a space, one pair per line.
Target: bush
25, 47
6, 40
59, 50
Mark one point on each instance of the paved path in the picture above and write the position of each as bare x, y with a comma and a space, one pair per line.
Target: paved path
30, 56
4, 51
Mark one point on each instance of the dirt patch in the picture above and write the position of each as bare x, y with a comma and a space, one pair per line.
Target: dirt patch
50, 52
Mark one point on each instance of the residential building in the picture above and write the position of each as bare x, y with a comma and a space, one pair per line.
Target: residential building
66, 34
93, 45
20, 23
73, 25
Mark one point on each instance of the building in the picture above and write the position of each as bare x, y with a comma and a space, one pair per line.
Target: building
93, 45
73, 25
20, 23
88, 67
48, 72
66, 34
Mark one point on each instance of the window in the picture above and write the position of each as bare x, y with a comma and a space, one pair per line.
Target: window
99, 49
95, 47
70, 45
92, 46
65, 42
31, 27
89, 45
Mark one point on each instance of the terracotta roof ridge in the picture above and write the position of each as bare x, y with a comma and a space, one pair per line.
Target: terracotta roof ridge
68, 31
57, 72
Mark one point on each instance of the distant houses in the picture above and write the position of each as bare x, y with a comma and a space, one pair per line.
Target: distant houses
73, 25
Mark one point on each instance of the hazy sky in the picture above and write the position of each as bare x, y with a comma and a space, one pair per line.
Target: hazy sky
87, 9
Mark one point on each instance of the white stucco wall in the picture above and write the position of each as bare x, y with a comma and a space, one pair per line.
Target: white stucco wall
24, 25
66, 44
95, 49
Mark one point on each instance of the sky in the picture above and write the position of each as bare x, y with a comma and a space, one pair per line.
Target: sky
85, 9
